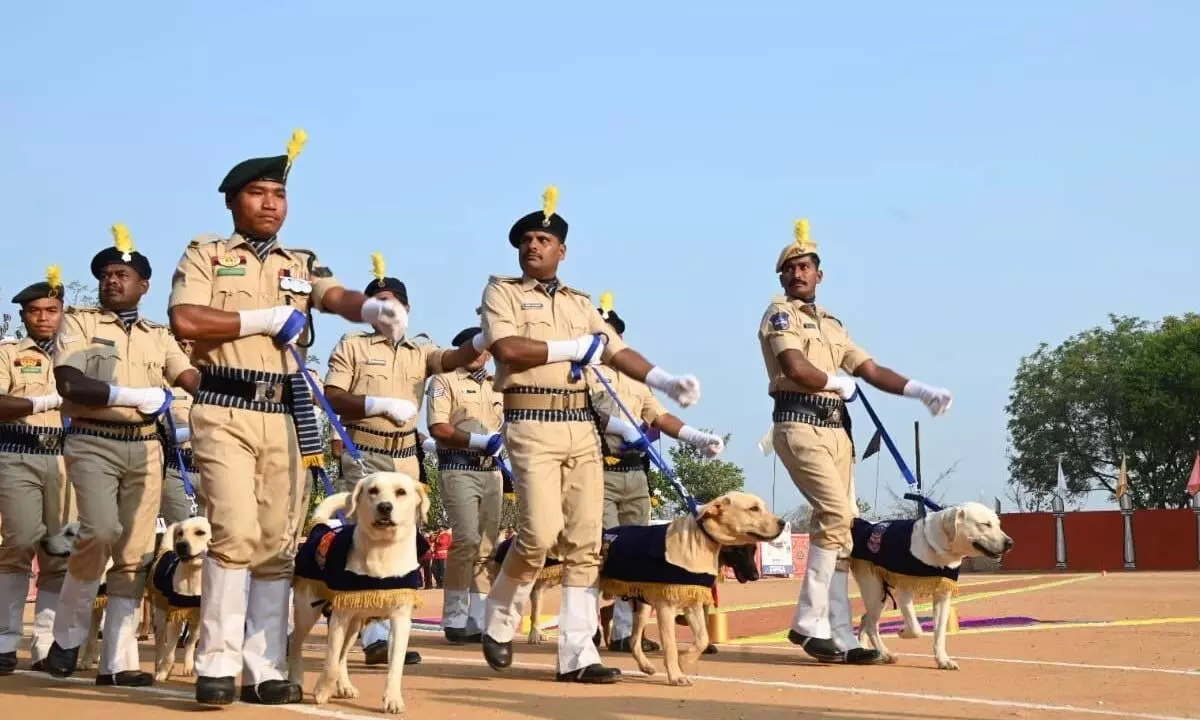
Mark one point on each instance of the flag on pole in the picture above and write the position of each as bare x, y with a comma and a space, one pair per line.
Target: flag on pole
873, 446
765, 446
1062, 481
1193, 485
1122, 479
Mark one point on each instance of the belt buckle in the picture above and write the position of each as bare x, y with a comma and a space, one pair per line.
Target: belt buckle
47, 441
833, 415
558, 401
264, 391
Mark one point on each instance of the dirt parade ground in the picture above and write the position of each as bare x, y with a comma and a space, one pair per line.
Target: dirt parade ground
1122, 645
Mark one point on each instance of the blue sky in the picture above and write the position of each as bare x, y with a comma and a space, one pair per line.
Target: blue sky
979, 179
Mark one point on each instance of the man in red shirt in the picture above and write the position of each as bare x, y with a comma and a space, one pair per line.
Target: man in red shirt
441, 550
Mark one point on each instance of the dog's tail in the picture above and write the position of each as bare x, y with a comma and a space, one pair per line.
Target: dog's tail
330, 506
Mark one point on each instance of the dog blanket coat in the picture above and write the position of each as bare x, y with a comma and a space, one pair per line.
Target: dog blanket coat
321, 564
551, 572
163, 594
884, 548
634, 565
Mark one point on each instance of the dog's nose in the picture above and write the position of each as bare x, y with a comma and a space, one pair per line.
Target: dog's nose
1008, 543
384, 508
181, 549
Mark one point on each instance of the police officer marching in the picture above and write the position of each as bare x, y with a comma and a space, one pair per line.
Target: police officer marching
35, 500
465, 413
112, 368
244, 300
626, 485
376, 385
803, 347
544, 335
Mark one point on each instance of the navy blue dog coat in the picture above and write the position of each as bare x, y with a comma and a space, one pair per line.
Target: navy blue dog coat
321, 565
883, 548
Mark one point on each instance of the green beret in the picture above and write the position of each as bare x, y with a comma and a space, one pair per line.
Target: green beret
388, 283
113, 256
537, 221
264, 168
38, 291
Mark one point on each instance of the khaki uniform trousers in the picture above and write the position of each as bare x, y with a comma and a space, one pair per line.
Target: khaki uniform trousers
35, 502
560, 499
175, 504
820, 462
626, 498
254, 487
473, 500
374, 462
118, 487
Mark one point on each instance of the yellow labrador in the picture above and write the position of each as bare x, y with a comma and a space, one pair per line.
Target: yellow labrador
693, 546
179, 561
938, 541
383, 515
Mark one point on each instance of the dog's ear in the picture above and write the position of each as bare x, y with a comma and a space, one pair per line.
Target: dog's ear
169, 536
352, 506
424, 503
715, 509
953, 523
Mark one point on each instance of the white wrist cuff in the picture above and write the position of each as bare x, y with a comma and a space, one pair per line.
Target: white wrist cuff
617, 426
123, 397
372, 406
831, 381
915, 388
256, 322
477, 342
659, 379
692, 436
183, 434
561, 350
477, 441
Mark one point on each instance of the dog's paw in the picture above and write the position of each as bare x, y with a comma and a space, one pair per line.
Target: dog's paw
890, 658
535, 637
393, 703
910, 634
646, 667
162, 676
189, 669
323, 692
345, 690
681, 681
946, 664
85, 664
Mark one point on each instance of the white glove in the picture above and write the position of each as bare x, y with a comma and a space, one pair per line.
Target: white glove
574, 350
477, 342
273, 322
397, 410
617, 426
182, 434
684, 389
42, 403
490, 444
938, 400
387, 316
709, 445
845, 386
148, 401
429, 445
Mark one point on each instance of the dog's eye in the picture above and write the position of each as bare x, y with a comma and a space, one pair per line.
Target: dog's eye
373, 491
401, 492
755, 508
200, 533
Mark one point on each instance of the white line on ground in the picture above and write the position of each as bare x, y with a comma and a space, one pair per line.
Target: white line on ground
1014, 661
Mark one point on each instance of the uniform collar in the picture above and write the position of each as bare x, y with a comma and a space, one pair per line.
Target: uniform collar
28, 343
378, 337
240, 239
529, 283
109, 316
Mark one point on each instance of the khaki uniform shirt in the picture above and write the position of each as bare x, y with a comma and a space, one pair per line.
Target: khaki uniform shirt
94, 342
27, 371
796, 325
521, 307
366, 363
458, 399
225, 274
637, 397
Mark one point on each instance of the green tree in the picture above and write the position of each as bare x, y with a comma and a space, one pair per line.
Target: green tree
1131, 389
704, 479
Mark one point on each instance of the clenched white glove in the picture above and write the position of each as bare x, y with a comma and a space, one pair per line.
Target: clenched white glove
628, 433
575, 350
387, 316
684, 389
429, 445
284, 323
845, 386
183, 433
148, 401
709, 445
938, 400
42, 403
397, 410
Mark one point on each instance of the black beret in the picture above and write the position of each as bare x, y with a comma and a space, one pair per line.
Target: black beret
113, 256
614, 320
536, 221
388, 283
465, 335
247, 171
38, 291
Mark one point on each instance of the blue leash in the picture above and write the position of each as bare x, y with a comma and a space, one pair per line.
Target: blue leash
916, 496
693, 506
188, 489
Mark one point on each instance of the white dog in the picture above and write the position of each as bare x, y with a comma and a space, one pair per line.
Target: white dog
364, 570
921, 557
174, 587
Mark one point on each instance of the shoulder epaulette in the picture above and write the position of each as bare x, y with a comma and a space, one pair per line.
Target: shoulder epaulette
206, 239
154, 324
81, 309
421, 339
831, 317
580, 293
503, 279
9, 341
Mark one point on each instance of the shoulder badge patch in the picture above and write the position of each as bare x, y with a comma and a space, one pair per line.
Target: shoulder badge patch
780, 321
435, 390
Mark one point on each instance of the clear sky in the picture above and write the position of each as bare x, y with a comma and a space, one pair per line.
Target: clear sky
979, 179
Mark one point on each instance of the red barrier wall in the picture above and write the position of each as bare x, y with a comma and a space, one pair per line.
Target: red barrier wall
1165, 539
1095, 540
1033, 541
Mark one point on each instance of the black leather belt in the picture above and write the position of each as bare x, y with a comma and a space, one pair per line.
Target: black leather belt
31, 439
249, 390
818, 410
461, 459
630, 462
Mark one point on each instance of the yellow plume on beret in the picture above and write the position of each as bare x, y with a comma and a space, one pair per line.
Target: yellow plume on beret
377, 266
